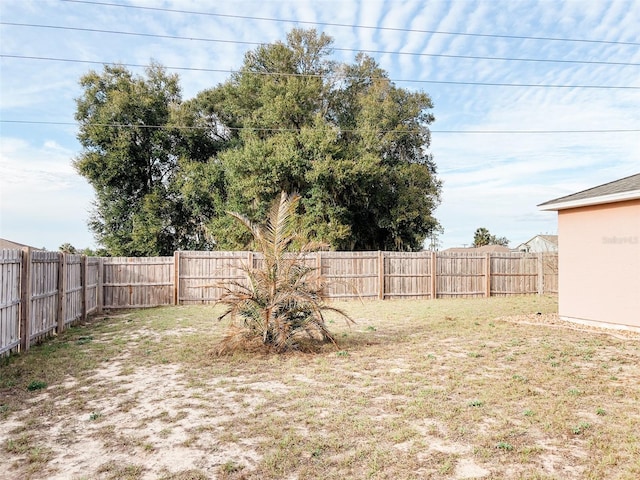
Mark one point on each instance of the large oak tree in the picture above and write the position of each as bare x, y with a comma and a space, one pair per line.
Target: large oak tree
138, 150
347, 139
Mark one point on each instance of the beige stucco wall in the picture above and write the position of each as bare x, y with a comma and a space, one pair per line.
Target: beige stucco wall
599, 263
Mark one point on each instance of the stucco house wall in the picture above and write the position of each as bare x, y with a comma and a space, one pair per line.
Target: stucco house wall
599, 264
599, 254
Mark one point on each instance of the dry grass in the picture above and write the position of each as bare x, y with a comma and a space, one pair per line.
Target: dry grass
416, 389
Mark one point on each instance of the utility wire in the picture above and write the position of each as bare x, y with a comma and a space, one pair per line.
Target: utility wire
276, 130
345, 25
310, 75
380, 52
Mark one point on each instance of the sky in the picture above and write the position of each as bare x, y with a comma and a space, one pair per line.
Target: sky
519, 119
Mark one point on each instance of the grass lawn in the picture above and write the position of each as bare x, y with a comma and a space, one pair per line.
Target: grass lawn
446, 389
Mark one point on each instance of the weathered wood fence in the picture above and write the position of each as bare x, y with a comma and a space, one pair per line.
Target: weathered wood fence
43, 292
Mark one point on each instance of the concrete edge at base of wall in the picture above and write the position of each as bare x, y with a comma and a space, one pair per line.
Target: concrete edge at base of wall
598, 324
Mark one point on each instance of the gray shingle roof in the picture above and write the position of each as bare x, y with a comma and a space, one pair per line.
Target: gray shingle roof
627, 184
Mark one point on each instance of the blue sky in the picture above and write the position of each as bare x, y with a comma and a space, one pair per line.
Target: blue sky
492, 180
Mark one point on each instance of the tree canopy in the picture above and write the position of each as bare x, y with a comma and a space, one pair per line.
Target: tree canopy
343, 136
482, 237
132, 154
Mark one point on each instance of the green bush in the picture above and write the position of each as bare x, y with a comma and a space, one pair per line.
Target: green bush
283, 295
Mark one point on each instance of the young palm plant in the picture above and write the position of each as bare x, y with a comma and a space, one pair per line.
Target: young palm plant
283, 296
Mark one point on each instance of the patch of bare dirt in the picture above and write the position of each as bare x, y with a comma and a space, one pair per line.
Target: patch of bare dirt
152, 419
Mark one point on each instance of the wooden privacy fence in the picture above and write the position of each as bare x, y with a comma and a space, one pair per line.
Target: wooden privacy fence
37, 288
42, 293
195, 277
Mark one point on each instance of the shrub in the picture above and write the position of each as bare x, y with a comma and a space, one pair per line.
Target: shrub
36, 385
283, 296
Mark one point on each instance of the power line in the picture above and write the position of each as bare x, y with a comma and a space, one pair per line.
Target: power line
399, 80
329, 24
380, 52
276, 130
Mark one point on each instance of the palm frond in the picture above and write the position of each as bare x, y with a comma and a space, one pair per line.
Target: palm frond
253, 228
279, 229
283, 296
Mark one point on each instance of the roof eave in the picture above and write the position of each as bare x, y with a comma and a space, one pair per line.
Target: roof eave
585, 202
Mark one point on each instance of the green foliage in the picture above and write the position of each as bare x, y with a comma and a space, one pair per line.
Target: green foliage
67, 248
131, 154
283, 295
580, 428
482, 237
504, 446
348, 139
356, 150
89, 252
230, 467
36, 385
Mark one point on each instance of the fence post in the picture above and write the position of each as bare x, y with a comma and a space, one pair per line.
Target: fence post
25, 300
434, 278
62, 291
99, 286
381, 275
83, 281
318, 276
487, 269
540, 273
176, 277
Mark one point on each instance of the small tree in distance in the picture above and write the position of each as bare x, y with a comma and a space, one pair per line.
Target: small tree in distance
482, 237
283, 296
67, 248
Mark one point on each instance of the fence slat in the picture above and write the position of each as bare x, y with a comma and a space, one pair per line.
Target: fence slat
10, 278
25, 300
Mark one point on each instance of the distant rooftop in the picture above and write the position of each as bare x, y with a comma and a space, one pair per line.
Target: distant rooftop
627, 188
483, 249
9, 245
548, 238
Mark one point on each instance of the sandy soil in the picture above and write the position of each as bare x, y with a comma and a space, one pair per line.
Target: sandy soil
150, 419
152, 422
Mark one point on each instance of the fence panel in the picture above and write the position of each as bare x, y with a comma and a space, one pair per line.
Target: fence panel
137, 282
44, 294
351, 274
550, 272
514, 274
460, 275
407, 275
10, 268
73, 265
92, 284
200, 274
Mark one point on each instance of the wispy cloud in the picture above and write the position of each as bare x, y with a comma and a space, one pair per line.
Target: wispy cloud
43, 202
492, 180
